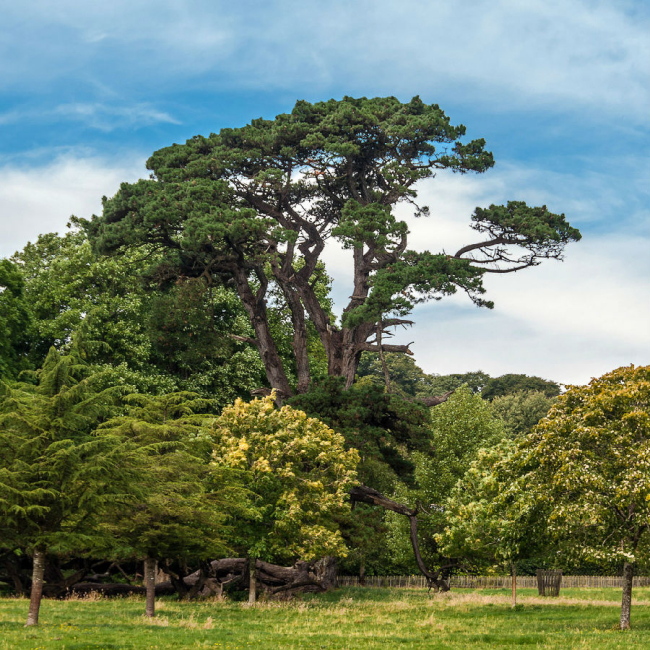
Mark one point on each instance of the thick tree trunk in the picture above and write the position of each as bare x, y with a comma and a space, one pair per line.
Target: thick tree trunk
150, 567
252, 582
626, 604
37, 587
255, 306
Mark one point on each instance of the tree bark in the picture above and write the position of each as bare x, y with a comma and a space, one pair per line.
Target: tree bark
436, 580
37, 587
626, 603
255, 306
252, 582
150, 566
514, 584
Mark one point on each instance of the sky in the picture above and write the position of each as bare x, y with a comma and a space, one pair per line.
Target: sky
560, 90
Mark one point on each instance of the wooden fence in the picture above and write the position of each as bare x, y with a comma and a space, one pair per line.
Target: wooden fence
490, 582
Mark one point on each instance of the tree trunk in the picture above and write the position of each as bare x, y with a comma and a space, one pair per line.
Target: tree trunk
362, 571
436, 580
252, 582
150, 567
514, 584
626, 604
255, 306
37, 587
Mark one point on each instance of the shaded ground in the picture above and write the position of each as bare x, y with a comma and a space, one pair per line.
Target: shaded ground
348, 618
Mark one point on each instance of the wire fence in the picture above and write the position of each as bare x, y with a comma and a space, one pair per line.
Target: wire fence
489, 582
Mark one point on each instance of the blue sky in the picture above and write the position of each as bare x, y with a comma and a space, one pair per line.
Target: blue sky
560, 91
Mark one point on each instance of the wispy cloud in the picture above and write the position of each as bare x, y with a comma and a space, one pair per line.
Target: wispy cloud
586, 56
104, 117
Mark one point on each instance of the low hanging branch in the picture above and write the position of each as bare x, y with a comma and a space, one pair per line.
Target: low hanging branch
437, 580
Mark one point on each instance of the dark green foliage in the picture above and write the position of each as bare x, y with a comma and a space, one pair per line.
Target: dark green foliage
383, 427
179, 517
510, 384
14, 321
439, 384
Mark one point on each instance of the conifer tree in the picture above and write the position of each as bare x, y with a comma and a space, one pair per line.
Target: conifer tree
181, 515
56, 476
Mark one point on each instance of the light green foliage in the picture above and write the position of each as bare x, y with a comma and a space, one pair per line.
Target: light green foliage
56, 476
460, 428
588, 463
14, 321
67, 285
297, 472
521, 411
490, 517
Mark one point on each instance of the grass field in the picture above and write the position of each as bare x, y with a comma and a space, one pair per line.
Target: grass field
347, 618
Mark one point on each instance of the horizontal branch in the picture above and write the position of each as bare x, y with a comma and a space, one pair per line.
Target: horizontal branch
370, 347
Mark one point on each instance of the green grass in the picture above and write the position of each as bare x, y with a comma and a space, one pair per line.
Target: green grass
347, 618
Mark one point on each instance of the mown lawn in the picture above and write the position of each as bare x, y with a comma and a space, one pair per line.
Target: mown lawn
347, 618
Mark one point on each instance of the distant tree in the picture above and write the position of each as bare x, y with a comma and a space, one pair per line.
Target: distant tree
254, 207
440, 384
297, 473
57, 478
14, 321
521, 411
587, 464
460, 428
396, 372
510, 384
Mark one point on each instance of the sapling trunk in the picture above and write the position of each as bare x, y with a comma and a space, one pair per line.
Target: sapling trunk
252, 585
514, 584
37, 587
626, 604
150, 567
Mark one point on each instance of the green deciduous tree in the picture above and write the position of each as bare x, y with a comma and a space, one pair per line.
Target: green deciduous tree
179, 338
521, 411
460, 428
588, 464
254, 208
297, 473
511, 384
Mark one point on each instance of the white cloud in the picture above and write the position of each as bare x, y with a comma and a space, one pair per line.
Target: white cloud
105, 117
40, 199
566, 321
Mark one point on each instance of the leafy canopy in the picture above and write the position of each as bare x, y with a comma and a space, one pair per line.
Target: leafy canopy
297, 473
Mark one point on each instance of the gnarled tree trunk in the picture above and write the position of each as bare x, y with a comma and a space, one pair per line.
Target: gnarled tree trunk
361, 493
